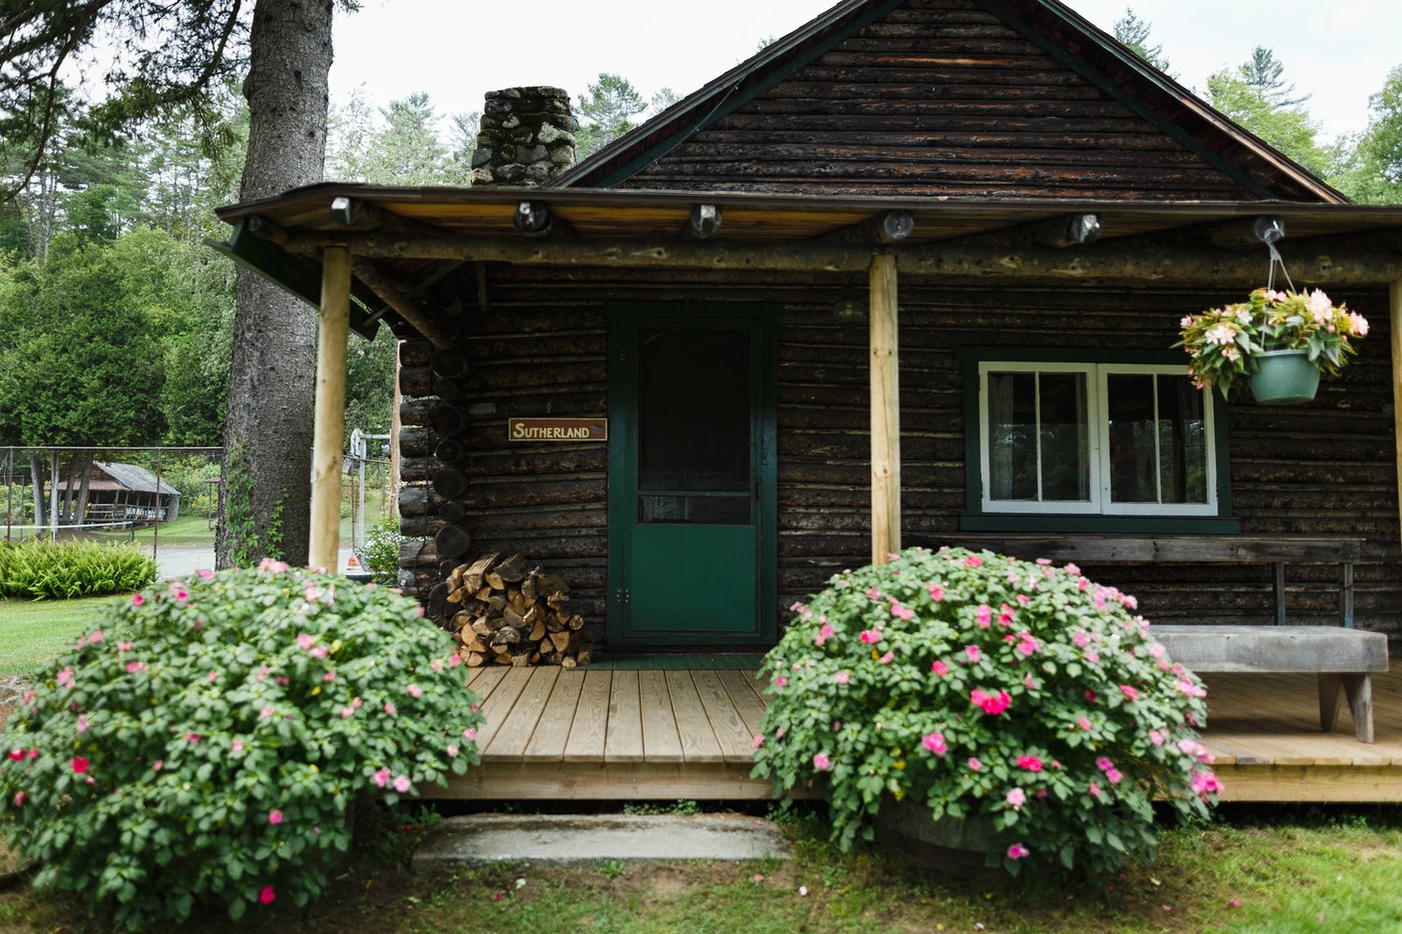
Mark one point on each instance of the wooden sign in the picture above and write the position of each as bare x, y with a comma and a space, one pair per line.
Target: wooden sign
557, 429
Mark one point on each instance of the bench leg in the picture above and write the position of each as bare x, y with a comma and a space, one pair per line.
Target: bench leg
1358, 688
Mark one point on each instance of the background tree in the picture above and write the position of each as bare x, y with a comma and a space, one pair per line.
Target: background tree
1371, 171
1256, 96
605, 111
1134, 32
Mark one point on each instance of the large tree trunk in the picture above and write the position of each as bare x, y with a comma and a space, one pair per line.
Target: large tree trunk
268, 434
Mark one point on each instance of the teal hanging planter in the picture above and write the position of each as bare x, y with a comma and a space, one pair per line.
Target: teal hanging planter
1285, 377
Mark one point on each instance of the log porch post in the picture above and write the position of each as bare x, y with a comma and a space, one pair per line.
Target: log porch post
329, 437
885, 411
1395, 333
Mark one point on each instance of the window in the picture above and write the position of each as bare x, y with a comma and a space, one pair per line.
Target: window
1095, 439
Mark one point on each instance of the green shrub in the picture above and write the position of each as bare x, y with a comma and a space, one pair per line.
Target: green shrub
64, 570
207, 741
382, 551
985, 685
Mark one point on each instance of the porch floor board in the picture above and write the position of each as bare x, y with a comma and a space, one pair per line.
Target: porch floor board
687, 733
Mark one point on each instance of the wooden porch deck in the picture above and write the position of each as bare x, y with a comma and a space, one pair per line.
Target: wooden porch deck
558, 734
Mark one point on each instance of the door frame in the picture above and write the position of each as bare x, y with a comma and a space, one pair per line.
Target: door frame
624, 318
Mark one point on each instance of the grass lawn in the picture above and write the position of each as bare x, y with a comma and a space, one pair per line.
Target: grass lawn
186, 530
1303, 872
35, 631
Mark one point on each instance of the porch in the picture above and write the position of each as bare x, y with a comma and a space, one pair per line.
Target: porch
664, 734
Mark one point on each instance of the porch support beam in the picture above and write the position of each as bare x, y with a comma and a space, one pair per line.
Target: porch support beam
1395, 332
1114, 261
328, 437
885, 410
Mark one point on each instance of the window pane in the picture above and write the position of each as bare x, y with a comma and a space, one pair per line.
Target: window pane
1012, 441
694, 418
1133, 464
1182, 441
1065, 438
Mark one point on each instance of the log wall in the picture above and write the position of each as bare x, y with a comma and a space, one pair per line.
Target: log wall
540, 349
939, 98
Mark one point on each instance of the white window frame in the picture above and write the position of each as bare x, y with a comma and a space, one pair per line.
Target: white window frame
1098, 414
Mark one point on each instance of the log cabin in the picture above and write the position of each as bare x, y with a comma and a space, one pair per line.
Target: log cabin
910, 275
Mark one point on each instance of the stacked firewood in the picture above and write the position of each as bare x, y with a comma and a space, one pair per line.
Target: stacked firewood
505, 612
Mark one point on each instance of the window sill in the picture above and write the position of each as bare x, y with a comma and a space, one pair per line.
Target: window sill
1006, 522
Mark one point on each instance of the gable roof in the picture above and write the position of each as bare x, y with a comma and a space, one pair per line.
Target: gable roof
134, 478
704, 141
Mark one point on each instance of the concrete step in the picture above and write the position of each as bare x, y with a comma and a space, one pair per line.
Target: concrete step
583, 840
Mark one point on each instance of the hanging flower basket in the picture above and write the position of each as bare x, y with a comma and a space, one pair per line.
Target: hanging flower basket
1283, 341
1284, 377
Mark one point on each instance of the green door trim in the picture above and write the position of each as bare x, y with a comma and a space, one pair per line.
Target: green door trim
624, 319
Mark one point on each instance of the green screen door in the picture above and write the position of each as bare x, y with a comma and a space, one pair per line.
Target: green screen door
688, 481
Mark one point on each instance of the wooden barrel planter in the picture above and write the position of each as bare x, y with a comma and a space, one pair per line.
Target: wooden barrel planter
948, 844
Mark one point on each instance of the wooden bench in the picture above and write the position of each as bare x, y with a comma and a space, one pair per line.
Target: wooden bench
1278, 551
1344, 659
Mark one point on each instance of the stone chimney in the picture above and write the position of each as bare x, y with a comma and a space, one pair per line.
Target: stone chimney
526, 137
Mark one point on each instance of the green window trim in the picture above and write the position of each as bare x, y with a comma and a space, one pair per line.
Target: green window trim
976, 519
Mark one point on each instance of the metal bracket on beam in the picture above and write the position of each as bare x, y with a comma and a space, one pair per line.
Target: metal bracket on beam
1071, 230
705, 220
1246, 233
888, 227
533, 218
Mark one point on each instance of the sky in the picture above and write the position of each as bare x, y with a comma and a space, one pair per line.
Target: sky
456, 50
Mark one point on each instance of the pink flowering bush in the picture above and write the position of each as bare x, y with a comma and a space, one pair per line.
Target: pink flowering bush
984, 685
1223, 343
208, 739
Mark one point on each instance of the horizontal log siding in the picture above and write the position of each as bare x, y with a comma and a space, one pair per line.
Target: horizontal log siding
938, 98
1326, 468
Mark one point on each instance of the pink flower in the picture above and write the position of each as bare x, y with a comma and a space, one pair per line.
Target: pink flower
469, 734
821, 762
193, 738
311, 593
319, 651
824, 634
452, 750
213, 677
1114, 776
123, 646
19, 799
873, 594
1094, 790
1091, 696
266, 713
1191, 689
1083, 585
758, 740
975, 765
134, 667
842, 677
1026, 644
935, 743
381, 777
1129, 692
1234, 903
390, 708
1103, 763
305, 641
275, 817
80, 765
1083, 722
65, 678
137, 599
1081, 640
267, 896
1072, 570
1023, 599
939, 668
971, 652
1018, 851
454, 660
236, 747
1044, 561
329, 676
1156, 737
347, 713
1017, 798
983, 616
16, 755
781, 682
991, 703
82, 724
158, 765
205, 574
1030, 763
283, 680
900, 611
936, 592
870, 636
414, 690
95, 638
973, 561
887, 658
401, 784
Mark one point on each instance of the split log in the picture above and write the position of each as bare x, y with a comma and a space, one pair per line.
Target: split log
505, 611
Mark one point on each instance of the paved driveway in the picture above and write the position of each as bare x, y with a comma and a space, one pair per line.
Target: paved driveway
183, 560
